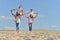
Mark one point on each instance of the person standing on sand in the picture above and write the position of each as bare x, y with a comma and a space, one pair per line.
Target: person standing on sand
31, 19
18, 17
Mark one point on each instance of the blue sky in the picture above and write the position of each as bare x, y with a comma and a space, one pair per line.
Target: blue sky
48, 18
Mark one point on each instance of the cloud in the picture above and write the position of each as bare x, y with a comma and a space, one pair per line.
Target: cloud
2, 17
50, 26
9, 28
41, 16
5, 17
54, 26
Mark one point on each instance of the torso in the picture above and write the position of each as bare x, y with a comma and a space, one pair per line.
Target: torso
17, 19
30, 20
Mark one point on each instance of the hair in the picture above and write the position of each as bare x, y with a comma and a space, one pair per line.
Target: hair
20, 6
31, 16
17, 14
31, 9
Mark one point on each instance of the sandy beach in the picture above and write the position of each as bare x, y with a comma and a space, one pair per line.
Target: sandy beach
26, 35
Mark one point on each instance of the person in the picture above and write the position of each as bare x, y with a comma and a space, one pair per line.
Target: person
31, 19
18, 17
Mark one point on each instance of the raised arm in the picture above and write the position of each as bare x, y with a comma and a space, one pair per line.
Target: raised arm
13, 9
36, 15
26, 16
12, 13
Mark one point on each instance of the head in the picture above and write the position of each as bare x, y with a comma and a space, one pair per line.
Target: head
31, 10
20, 6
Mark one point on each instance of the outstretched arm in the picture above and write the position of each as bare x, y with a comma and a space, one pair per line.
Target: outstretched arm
13, 9
26, 16
36, 14
12, 13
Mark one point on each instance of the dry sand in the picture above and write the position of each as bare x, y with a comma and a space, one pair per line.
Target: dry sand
26, 35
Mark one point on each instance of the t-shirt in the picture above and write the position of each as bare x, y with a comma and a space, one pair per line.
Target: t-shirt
17, 20
30, 20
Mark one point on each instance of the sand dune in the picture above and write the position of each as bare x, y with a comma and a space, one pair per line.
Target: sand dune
26, 35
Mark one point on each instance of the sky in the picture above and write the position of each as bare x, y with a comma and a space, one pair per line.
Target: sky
48, 14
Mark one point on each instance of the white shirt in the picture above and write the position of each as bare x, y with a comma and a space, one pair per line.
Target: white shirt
17, 20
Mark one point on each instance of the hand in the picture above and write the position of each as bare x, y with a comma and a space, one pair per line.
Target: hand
11, 10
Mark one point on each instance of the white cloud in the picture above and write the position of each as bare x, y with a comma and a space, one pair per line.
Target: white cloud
41, 16
9, 28
54, 26
2, 17
5, 17
49, 26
